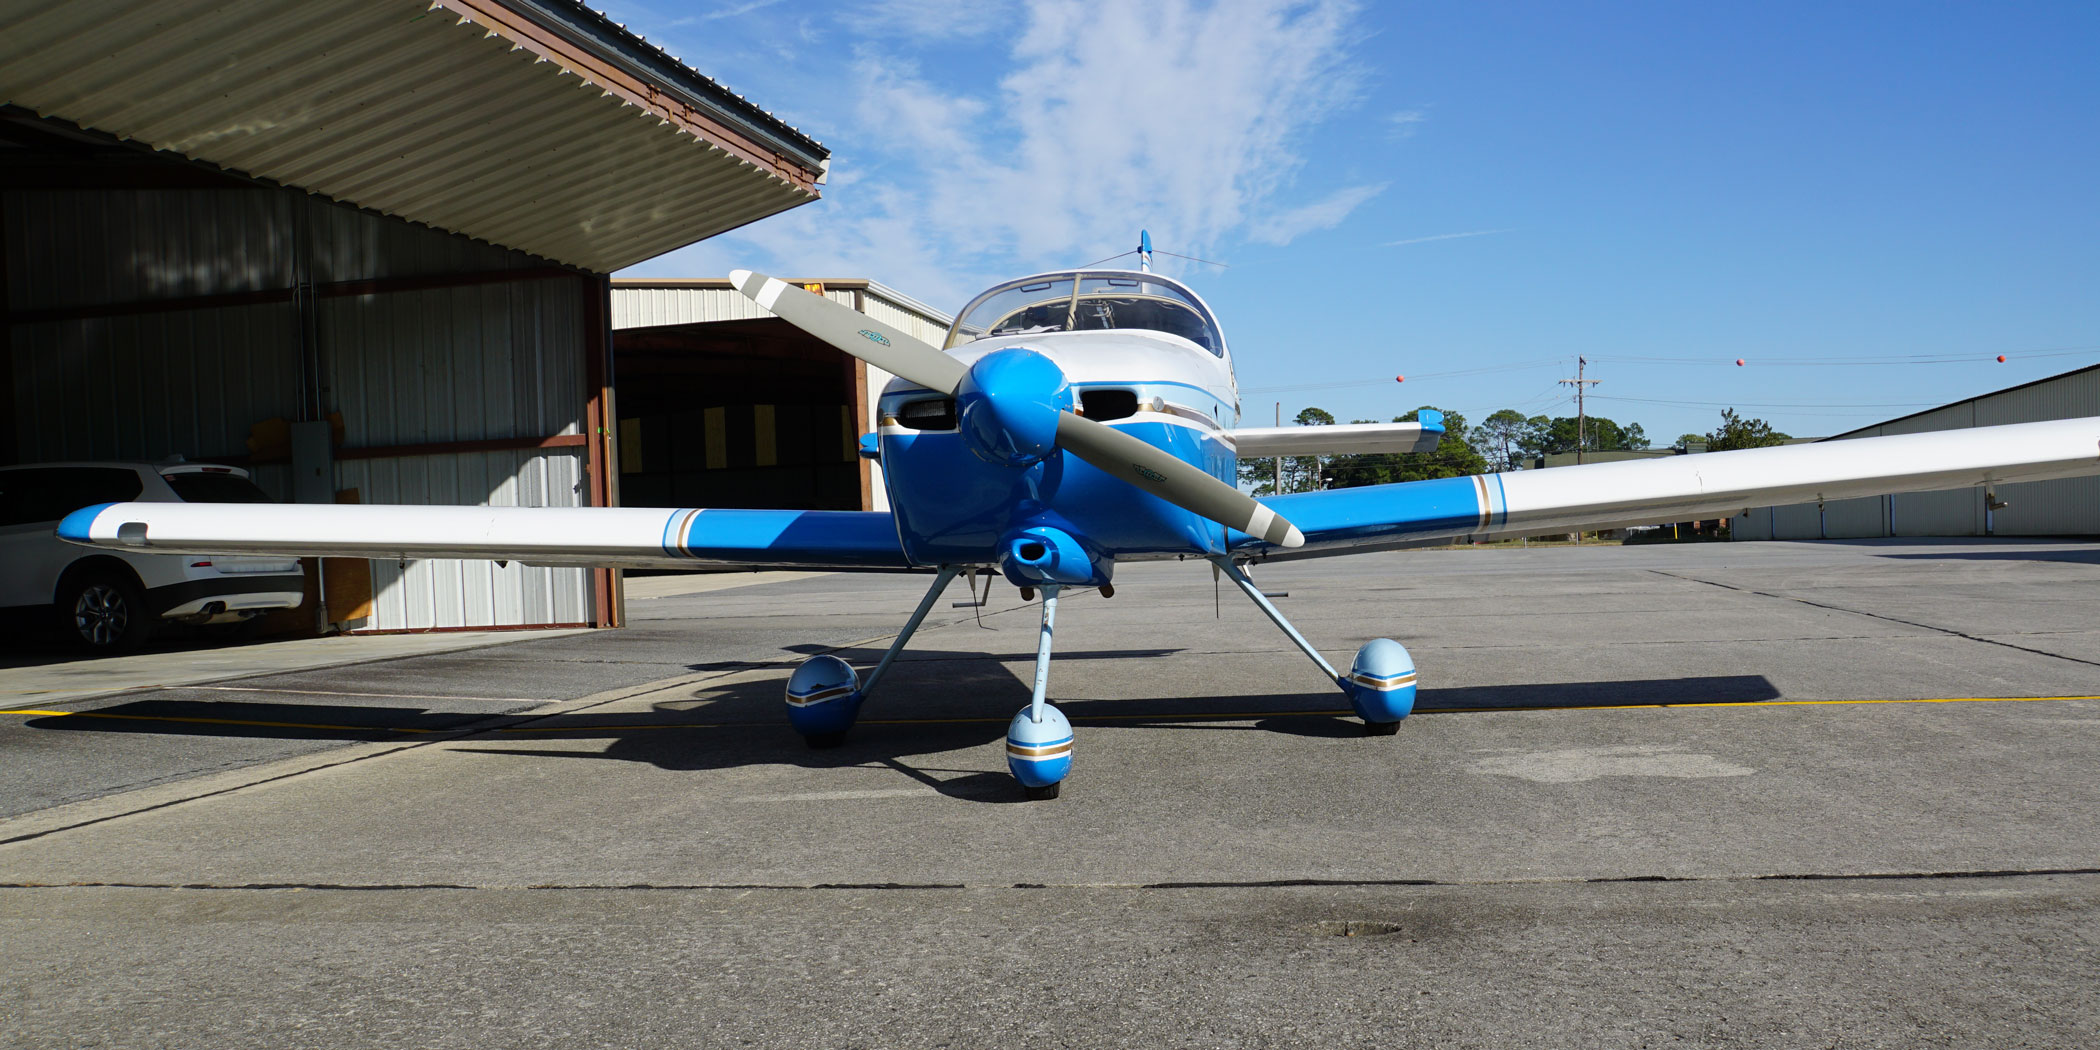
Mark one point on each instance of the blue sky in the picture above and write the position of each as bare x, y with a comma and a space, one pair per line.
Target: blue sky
1865, 202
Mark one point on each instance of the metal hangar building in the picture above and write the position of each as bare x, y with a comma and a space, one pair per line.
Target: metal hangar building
2066, 507
360, 247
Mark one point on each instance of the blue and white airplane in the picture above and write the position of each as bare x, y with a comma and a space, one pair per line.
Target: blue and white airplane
1074, 421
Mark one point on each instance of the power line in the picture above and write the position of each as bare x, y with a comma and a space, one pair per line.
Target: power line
1542, 362
1880, 359
1770, 404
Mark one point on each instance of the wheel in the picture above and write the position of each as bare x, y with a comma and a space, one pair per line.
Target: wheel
106, 612
822, 741
1381, 728
1041, 794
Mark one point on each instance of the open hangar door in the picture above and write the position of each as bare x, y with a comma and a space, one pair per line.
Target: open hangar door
749, 413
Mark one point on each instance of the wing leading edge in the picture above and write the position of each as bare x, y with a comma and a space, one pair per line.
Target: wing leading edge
1653, 491
625, 537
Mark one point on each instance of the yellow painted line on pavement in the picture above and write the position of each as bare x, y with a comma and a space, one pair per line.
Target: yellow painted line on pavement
1211, 716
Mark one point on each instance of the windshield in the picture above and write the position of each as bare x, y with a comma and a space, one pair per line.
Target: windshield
1086, 302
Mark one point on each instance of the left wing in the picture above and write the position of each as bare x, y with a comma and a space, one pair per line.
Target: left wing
1680, 488
615, 537
1341, 438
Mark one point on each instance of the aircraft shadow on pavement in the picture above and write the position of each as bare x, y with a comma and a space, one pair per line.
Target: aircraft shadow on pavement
259, 720
916, 716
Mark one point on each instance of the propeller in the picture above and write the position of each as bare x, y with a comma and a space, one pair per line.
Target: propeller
1006, 399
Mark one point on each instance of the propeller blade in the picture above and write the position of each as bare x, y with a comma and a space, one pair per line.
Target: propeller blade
854, 332
1158, 472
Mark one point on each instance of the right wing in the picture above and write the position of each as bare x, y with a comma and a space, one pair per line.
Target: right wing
1681, 488
611, 537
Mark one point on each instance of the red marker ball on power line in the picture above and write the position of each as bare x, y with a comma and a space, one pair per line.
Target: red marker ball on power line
1739, 362
2001, 359
1403, 379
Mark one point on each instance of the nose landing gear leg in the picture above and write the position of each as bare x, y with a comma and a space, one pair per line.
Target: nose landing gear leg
1039, 739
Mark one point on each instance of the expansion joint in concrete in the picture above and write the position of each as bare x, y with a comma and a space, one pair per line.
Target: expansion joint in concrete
1950, 632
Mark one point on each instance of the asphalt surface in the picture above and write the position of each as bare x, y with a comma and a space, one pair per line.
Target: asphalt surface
1684, 796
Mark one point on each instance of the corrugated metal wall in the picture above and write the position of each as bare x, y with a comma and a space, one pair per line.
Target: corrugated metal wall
450, 593
463, 364
474, 362
925, 327
147, 386
2069, 507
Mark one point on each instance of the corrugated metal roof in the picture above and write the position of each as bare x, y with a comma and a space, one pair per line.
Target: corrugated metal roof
500, 120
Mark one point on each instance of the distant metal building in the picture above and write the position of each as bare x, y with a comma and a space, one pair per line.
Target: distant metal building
2068, 507
724, 405
361, 246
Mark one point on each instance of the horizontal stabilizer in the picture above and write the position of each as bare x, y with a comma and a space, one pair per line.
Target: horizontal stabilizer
1684, 488
626, 537
1340, 439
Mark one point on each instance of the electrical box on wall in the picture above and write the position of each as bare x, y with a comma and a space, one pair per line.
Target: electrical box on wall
313, 462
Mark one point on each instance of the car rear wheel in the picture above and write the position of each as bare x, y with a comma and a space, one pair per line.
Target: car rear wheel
106, 613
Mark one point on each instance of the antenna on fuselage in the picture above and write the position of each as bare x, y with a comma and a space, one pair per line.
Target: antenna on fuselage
1145, 250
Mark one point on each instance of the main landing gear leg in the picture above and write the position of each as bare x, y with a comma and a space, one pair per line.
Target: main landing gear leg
824, 694
1380, 684
1039, 739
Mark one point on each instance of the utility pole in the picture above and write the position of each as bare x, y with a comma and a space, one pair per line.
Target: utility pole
1581, 417
1278, 483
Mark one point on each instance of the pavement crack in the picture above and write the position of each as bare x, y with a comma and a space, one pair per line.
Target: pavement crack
1207, 884
1949, 631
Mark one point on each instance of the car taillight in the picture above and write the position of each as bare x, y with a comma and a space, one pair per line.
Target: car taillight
200, 565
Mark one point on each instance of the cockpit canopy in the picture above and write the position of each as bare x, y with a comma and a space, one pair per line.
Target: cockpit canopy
1089, 301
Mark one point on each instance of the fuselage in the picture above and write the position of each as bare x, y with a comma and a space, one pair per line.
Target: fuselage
1174, 392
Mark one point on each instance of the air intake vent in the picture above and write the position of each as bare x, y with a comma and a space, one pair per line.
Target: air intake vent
1104, 405
934, 413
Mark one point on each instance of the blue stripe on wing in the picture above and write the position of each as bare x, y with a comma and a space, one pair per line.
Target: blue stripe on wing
814, 538
1442, 506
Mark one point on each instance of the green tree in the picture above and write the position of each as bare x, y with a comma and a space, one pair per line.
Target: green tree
1300, 473
1502, 436
1455, 457
1738, 432
1605, 435
1690, 439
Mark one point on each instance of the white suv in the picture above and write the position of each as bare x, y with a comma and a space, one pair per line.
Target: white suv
113, 600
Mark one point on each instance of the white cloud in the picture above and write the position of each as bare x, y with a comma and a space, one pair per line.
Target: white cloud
1285, 226
1441, 237
734, 10
1180, 116
1407, 121
933, 19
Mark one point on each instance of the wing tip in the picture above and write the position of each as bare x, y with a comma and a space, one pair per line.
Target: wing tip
78, 526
